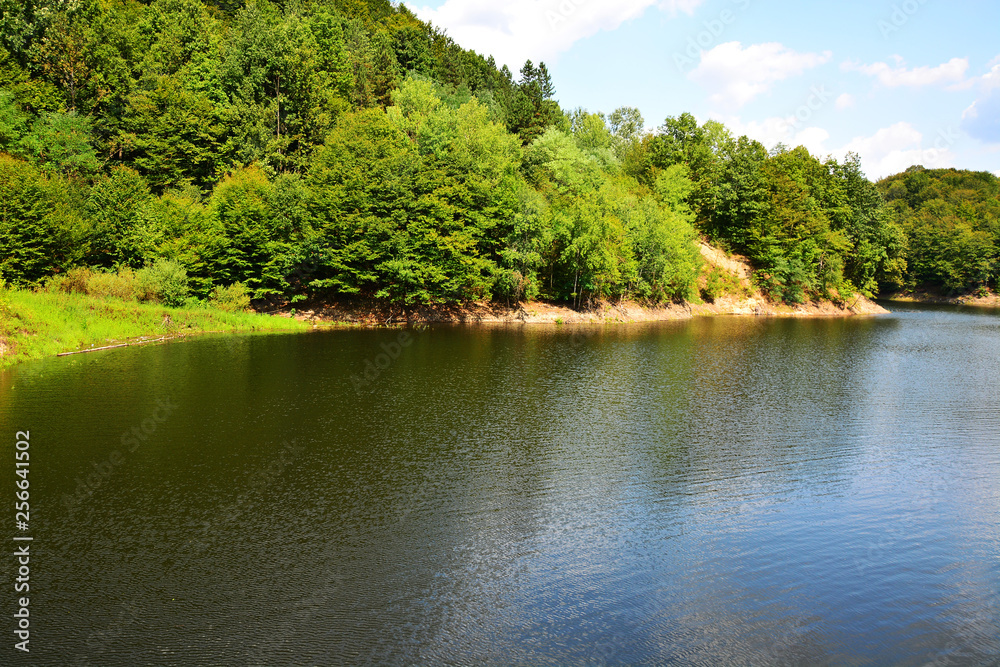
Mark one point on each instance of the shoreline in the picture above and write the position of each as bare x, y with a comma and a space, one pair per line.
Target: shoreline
541, 312
991, 300
369, 315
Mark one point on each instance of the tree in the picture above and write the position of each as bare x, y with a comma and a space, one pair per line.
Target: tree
256, 242
120, 234
29, 239
951, 220
62, 56
61, 143
189, 235
741, 195
170, 134
626, 125
879, 244
13, 122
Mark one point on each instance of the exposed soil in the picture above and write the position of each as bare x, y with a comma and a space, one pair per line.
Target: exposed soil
373, 314
543, 312
990, 300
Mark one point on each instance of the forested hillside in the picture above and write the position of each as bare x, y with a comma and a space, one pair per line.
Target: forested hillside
952, 220
343, 148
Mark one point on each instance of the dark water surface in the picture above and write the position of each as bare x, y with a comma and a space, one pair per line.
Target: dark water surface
720, 491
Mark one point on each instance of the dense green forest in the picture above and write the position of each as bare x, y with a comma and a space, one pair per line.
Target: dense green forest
345, 149
952, 222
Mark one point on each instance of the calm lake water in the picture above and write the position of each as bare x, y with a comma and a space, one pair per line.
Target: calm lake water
713, 492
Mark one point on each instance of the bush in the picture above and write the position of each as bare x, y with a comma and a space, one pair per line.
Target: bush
121, 285
74, 280
715, 285
233, 298
84, 280
719, 283
165, 281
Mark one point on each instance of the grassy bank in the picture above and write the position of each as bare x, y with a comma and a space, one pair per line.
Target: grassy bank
41, 324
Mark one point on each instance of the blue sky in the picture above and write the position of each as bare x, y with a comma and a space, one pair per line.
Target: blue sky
900, 82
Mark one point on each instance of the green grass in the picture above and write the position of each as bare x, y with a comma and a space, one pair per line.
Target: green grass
34, 325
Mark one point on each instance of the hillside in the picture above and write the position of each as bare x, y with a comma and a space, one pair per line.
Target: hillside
338, 150
952, 221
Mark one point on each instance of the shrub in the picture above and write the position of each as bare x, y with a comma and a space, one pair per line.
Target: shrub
719, 283
121, 285
29, 238
84, 280
74, 280
165, 281
233, 298
120, 234
714, 285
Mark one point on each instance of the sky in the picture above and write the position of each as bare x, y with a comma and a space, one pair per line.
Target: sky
899, 82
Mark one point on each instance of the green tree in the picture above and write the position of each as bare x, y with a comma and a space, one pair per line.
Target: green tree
62, 56
121, 234
171, 135
61, 142
256, 242
190, 236
30, 241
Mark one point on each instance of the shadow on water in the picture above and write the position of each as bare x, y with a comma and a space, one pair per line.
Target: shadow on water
717, 491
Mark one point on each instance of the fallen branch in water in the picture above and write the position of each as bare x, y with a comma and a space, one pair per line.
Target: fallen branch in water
151, 340
92, 349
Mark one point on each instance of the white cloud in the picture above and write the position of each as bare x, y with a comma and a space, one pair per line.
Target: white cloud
539, 30
674, 6
951, 72
845, 101
777, 129
895, 148
889, 151
982, 119
737, 75
991, 79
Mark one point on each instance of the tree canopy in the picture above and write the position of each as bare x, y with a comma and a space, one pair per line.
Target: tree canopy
344, 148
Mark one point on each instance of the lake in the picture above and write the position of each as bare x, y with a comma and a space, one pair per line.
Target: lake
717, 491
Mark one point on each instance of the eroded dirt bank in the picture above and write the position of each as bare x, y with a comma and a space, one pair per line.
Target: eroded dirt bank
988, 300
541, 312
742, 298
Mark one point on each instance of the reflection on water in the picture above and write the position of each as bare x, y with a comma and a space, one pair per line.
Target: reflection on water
720, 491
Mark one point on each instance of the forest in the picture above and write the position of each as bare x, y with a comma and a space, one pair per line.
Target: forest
343, 149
